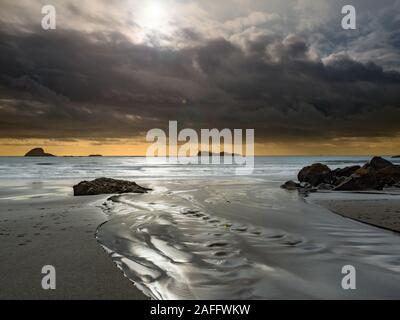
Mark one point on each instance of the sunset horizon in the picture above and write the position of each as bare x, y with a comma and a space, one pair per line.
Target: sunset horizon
127, 150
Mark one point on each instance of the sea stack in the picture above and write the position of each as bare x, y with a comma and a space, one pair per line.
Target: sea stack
38, 152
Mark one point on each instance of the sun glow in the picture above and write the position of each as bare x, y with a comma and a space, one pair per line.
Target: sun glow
154, 16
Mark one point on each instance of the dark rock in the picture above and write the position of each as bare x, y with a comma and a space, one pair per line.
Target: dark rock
315, 174
290, 185
305, 185
389, 175
374, 175
356, 184
107, 186
362, 179
395, 157
325, 186
306, 191
338, 180
303, 188
378, 163
345, 172
369, 178
38, 152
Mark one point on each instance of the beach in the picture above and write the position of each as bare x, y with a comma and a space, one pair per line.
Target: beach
201, 233
57, 230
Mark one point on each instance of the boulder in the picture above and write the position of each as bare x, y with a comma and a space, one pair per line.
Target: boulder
362, 179
338, 180
354, 184
345, 172
378, 163
325, 186
303, 188
368, 178
377, 174
107, 186
315, 174
389, 175
290, 185
38, 152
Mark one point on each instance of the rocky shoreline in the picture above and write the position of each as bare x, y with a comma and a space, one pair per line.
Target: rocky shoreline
377, 174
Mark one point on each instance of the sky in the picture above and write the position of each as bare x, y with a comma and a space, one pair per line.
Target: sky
113, 70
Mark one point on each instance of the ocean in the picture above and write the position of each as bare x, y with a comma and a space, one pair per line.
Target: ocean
139, 167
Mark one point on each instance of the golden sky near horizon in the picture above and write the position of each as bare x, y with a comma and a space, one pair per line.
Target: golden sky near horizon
371, 146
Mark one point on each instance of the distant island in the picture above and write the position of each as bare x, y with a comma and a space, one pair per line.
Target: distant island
211, 154
394, 157
38, 152
95, 155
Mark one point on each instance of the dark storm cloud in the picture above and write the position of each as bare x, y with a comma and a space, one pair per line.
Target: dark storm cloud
68, 84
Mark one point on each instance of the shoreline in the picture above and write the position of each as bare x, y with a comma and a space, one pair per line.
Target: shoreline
58, 231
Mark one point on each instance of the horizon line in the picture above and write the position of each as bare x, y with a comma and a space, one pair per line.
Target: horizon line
258, 155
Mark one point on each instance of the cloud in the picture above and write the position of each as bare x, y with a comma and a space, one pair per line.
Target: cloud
253, 65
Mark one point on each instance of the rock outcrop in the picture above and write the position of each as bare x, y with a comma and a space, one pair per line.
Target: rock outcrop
38, 152
374, 175
107, 186
377, 174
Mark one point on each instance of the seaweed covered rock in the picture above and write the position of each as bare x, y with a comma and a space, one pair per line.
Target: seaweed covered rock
107, 186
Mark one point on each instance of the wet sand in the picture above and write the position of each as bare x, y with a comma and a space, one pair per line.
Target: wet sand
377, 210
245, 239
380, 213
58, 231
